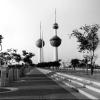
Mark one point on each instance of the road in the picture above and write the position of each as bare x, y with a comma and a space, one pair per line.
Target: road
36, 85
85, 86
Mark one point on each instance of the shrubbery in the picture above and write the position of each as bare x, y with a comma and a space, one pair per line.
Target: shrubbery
55, 64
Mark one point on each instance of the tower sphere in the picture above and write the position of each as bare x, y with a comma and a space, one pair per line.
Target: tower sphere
40, 43
55, 41
55, 26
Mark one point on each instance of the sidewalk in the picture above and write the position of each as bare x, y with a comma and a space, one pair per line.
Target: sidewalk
34, 86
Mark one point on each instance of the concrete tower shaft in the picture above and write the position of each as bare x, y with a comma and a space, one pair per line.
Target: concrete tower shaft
40, 44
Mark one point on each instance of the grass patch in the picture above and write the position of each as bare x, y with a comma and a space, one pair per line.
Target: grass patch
81, 73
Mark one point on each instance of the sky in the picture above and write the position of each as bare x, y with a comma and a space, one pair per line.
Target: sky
20, 25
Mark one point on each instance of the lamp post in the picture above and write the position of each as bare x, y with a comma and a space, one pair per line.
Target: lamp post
3, 75
1, 42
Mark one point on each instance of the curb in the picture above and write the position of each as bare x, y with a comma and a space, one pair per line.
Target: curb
80, 79
82, 84
82, 92
71, 86
75, 88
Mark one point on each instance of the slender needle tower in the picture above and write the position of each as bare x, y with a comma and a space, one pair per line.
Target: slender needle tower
55, 41
40, 44
42, 53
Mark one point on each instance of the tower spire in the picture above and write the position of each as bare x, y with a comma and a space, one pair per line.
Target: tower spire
55, 26
40, 29
55, 15
42, 49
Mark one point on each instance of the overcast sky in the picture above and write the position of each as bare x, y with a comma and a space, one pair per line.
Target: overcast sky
20, 19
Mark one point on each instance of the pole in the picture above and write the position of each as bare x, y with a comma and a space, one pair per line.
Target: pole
42, 49
56, 48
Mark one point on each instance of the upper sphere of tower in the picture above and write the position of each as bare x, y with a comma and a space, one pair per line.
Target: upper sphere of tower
55, 26
40, 43
55, 41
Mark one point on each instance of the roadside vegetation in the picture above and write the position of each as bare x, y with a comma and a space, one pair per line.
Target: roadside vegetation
87, 37
12, 59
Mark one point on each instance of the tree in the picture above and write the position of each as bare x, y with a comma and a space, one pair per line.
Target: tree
87, 37
27, 57
74, 63
10, 56
5, 56
24, 52
86, 60
17, 57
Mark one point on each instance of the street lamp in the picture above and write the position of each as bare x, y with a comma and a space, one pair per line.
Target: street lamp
1, 42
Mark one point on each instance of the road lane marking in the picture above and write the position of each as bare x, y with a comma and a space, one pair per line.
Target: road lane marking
82, 92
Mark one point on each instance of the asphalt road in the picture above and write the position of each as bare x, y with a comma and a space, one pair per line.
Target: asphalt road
36, 85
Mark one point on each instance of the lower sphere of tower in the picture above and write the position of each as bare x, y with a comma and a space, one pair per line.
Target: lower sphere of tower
40, 43
55, 41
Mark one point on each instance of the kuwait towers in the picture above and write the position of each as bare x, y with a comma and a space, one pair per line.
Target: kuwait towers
55, 41
40, 44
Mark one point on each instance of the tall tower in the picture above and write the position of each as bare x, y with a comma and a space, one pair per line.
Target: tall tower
55, 41
40, 44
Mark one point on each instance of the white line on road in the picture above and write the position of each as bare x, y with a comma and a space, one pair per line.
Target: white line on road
82, 92
84, 85
77, 89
